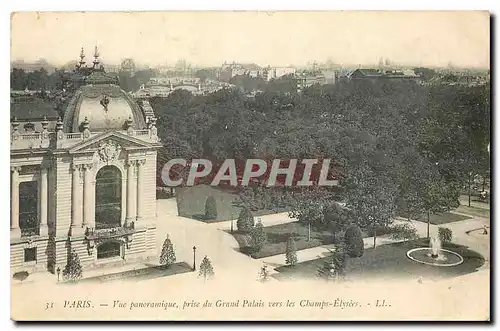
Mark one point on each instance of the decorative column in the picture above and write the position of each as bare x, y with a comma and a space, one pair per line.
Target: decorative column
130, 193
140, 188
76, 204
87, 197
44, 231
15, 231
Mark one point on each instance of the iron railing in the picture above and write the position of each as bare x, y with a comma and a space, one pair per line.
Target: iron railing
112, 232
28, 232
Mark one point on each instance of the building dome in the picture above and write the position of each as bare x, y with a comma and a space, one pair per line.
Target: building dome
101, 102
106, 107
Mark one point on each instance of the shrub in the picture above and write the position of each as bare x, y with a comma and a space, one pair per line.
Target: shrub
167, 257
206, 269
291, 252
259, 237
404, 232
353, 239
210, 208
245, 220
334, 268
21, 275
73, 269
445, 235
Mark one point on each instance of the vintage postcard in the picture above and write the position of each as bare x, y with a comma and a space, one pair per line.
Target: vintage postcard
250, 166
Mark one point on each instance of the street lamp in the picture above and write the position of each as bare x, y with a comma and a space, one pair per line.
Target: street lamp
194, 258
58, 273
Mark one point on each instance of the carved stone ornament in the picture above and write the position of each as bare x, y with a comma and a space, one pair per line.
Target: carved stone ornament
109, 151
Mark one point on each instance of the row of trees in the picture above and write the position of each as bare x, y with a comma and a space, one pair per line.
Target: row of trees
35, 80
41, 80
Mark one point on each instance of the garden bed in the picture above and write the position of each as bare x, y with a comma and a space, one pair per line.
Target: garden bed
389, 261
277, 236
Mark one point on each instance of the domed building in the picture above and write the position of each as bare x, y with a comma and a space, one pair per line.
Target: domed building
86, 184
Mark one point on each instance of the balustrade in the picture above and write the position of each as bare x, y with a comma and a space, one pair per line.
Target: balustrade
36, 140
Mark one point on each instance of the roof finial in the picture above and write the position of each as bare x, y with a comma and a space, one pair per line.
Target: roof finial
82, 58
96, 57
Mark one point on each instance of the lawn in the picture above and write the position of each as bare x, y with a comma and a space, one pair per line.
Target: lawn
191, 203
389, 262
277, 235
441, 218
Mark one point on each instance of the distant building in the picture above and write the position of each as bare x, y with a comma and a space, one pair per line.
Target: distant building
228, 71
330, 76
31, 67
128, 66
278, 72
377, 74
162, 87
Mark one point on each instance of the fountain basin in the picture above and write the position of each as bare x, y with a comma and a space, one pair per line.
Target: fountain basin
446, 257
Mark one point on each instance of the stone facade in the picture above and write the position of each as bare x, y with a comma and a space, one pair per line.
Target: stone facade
66, 181
63, 198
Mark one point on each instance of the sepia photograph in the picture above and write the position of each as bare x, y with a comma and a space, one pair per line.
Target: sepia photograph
250, 166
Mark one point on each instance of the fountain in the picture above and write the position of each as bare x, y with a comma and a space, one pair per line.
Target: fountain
436, 255
435, 246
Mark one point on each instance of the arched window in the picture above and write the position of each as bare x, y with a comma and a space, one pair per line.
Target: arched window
28, 208
108, 249
108, 198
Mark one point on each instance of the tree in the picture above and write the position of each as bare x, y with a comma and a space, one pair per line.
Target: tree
457, 132
353, 239
245, 220
202, 74
167, 257
18, 79
206, 269
371, 200
291, 252
317, 208
440, 197
405, 231
210, 208
445, 235
335, 267
258, 236
73, 269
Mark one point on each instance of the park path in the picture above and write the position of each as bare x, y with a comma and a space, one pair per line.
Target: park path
267, 220
223, 249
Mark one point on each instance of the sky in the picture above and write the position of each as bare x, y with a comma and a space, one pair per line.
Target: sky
266, 38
